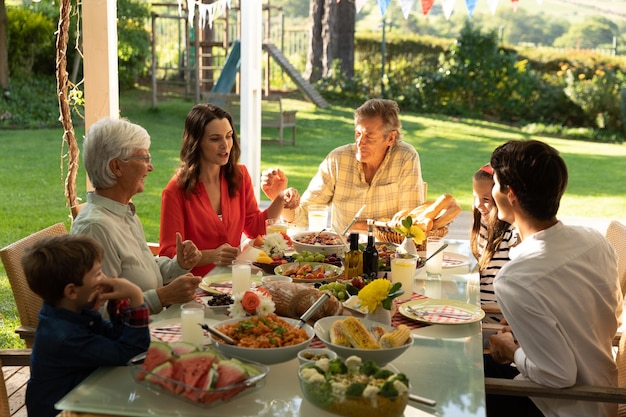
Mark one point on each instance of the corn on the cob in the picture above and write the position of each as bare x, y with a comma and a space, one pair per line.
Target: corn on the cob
337, 335
395, 338
358, 335
378, 331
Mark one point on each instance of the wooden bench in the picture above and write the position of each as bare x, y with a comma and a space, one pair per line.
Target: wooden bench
272, 113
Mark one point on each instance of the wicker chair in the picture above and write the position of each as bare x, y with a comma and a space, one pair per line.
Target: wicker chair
28, 303
12, 400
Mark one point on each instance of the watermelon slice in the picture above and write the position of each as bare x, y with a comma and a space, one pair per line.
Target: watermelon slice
191, 367
158, 353
230, 372
180, 348
164, 370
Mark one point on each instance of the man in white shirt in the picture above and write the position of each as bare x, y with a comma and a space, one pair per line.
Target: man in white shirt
559, 293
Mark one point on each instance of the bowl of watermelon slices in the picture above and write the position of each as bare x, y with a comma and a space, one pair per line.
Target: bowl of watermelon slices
201, 376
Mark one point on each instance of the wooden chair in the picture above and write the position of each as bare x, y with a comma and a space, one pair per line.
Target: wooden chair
500, 386
616, 234
28, 303
12, 386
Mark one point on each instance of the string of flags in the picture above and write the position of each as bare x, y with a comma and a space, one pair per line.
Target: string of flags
207, 13
446, 5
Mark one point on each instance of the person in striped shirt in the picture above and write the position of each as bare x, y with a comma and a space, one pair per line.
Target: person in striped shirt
490, 240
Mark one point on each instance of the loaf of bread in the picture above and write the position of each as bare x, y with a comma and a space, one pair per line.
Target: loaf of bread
431, 215
447, 215
293, 299
434, 209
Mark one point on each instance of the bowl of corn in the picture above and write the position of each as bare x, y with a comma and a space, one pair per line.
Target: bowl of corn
368, 339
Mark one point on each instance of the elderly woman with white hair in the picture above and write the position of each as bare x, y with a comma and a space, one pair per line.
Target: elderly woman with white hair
117, 160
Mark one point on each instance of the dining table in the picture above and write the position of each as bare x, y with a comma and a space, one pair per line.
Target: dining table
444, 363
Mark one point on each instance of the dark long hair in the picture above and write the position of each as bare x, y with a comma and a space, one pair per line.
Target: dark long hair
496, 228
189, 171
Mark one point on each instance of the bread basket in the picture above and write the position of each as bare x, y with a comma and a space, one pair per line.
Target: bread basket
384, 232
432, 217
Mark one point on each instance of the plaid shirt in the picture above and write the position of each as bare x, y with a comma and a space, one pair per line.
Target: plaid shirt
340, 180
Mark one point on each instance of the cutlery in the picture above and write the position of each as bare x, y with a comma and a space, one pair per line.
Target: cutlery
217, 333
422, 400
317, 304
442, 247
354, 219
422, 313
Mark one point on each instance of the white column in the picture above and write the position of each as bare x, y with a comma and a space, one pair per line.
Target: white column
100, 61
251, 60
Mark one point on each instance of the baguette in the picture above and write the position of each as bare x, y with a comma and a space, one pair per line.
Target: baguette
418, 211
448, 214
435, 208
358, 335
398, 217
425, 224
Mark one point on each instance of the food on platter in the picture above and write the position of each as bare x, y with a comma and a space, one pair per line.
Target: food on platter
385, 251
362, 337
221, 299
311, 355
202, 377
293, 299
266, 339
264, 332
338, 289
328, 243
354, 388
309, 271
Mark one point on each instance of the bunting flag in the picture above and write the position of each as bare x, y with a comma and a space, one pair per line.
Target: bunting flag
383, 4
426, 6
471, 5
359, 4
493, 4
448, 6
207, 13
406, 6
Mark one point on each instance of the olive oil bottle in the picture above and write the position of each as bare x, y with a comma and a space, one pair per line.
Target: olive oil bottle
370, 254
354, 258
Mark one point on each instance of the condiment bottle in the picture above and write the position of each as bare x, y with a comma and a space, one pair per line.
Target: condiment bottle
370, 254
354, 258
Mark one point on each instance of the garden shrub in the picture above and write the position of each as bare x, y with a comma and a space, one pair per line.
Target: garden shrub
31, 42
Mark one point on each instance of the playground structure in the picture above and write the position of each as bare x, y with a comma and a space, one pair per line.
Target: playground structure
207, 59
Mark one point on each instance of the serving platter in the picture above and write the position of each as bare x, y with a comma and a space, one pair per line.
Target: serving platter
441, 311
332, 272
222, 283
454, 260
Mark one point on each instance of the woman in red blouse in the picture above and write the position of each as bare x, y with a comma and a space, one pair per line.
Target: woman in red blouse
210, 200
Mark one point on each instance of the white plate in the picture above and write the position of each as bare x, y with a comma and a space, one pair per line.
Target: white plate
354, 303
225, 281
432, 307
172, 325
454, 260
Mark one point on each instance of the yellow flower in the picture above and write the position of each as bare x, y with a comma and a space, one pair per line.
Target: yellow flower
374, 293
411, 231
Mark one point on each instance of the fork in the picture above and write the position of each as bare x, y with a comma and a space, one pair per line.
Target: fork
422, 313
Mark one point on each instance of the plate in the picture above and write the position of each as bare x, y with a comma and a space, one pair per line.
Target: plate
169, 330
436, 311
331, 273
222, 283
453, 260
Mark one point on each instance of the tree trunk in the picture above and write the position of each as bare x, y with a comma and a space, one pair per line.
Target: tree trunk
343, 36
4, 48
313, 71
328, 48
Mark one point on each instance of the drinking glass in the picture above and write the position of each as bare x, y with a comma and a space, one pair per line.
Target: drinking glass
242, 271
318, 217
190, 315
434, 264
403, 271
275, 226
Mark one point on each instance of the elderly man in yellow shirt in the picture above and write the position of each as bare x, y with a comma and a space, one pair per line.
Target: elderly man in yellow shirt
378, 171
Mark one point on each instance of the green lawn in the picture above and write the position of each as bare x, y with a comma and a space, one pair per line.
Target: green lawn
450, 150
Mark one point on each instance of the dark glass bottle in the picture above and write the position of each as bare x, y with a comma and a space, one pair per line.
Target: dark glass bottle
354, 258
370, 254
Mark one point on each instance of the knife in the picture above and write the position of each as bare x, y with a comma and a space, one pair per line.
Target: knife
317, 304
354, 219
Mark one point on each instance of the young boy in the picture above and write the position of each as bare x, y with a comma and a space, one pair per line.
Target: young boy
72, 337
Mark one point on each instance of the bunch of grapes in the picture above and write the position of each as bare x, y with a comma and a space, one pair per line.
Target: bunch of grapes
337, 289
305, 256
